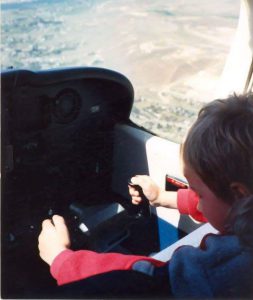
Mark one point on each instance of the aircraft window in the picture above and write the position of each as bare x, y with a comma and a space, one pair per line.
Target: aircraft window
172, 51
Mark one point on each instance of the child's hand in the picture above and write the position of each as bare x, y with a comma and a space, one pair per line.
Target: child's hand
150, 189
53, 239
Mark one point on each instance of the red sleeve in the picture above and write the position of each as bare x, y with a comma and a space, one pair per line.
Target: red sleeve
187, 201
71, 266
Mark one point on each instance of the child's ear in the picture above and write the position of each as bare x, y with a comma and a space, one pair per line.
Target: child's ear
239, 190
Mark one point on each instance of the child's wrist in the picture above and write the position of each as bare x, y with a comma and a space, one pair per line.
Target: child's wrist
54, 254
164, 199
158, 201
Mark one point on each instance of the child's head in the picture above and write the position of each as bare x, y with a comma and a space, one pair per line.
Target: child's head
219, 148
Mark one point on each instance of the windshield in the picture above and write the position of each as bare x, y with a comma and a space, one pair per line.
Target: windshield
172, 51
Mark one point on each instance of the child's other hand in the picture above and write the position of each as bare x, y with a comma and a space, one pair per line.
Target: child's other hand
53, 239
150, 189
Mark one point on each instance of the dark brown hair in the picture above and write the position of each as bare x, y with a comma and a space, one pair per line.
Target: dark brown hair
219, 148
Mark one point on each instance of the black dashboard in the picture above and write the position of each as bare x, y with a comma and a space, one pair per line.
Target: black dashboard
57, 158
57, 129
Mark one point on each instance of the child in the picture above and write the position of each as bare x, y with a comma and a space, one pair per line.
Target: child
218, 164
